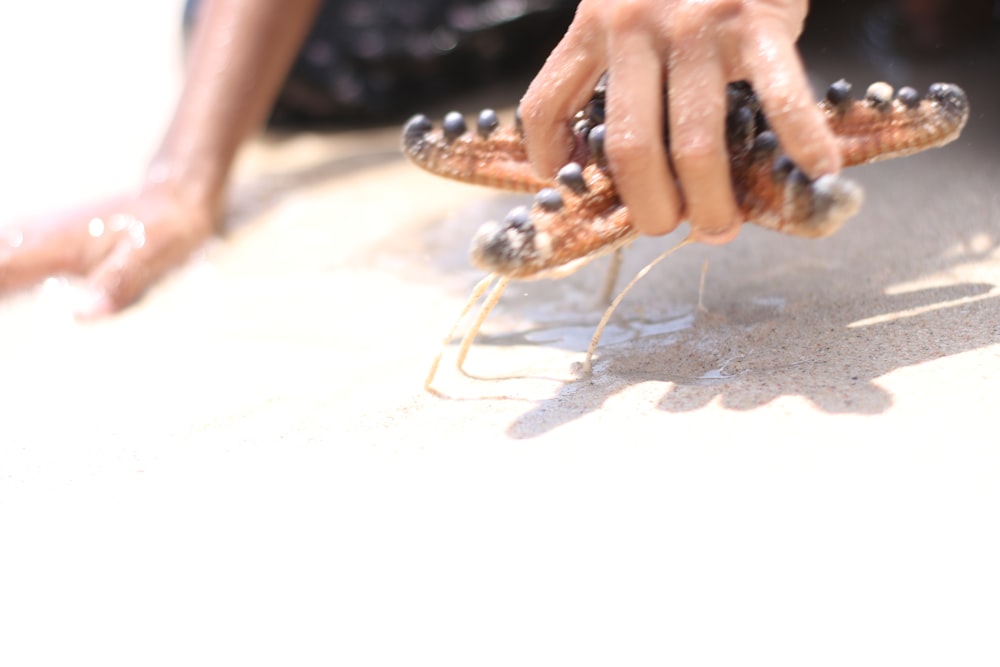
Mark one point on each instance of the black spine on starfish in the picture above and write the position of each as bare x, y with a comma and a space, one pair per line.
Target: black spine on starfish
578, 215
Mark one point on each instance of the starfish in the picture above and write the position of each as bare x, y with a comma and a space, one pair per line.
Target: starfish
579, 216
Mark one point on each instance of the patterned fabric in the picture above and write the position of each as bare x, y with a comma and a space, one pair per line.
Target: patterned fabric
380, 59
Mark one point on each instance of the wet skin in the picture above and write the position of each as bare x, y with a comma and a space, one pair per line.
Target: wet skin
238, 57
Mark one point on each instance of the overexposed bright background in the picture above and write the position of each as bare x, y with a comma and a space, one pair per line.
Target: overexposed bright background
244, 469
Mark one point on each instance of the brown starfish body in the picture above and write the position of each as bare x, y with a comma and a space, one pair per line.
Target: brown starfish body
579, 215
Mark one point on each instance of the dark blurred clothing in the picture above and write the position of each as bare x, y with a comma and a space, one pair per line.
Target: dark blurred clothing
369, 60
378, 60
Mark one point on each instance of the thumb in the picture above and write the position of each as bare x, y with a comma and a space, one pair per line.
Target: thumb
114, 283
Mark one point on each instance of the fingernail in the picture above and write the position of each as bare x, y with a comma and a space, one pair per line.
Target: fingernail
717, 237
91, 304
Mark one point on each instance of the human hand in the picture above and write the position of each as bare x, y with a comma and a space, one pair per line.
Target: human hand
120, 245
696, 47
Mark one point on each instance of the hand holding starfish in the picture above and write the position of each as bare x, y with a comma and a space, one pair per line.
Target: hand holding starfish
696, 46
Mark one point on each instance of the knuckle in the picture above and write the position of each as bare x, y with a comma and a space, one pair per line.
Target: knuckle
787, 106
715, 10
629, 152
691, 17
696, 150
630, 15
539, 116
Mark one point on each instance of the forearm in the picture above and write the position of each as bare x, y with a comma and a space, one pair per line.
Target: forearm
240, 52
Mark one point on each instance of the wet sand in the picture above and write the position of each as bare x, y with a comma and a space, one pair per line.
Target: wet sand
245, 467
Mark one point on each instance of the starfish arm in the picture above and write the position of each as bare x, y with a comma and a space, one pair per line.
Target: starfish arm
565, 227
491, 155
888, 124
579, 215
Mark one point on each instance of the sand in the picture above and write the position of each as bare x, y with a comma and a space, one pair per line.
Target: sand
245, 469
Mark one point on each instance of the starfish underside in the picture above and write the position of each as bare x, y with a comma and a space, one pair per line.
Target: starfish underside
579, 216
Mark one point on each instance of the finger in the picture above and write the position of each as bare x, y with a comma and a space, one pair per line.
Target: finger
634, 141
697, 118
66, 242
115, 283
783, 89
131, 266
26, 259
562, 87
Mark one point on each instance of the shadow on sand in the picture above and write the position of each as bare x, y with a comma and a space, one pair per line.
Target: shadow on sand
915, 277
